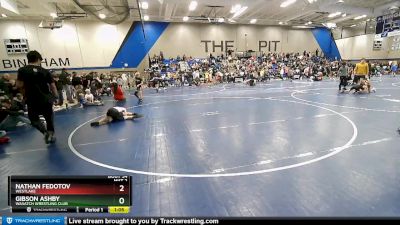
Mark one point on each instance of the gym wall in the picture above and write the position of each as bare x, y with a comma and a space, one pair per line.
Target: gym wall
184, 38
354, 48
75, 45
95, 45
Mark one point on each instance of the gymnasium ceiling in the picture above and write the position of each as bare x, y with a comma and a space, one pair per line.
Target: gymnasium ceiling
267, 12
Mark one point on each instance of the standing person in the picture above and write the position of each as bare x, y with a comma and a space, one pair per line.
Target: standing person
89, 79
343, 75
369, 69
394, 68
77, 81
40, 92
138, 84
124, 81
59, 86
118, 92
120, 81
66, 82
361, 70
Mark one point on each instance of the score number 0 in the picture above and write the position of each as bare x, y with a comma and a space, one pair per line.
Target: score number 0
121, 200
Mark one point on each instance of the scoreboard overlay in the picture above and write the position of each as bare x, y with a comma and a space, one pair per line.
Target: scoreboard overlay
90, 194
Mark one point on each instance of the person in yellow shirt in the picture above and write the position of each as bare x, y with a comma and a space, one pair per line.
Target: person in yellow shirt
361, 71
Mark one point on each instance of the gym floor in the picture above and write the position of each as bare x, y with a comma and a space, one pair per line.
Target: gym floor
277, 149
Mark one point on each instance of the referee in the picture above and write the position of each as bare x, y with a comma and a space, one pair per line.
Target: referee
361, 71
40, 92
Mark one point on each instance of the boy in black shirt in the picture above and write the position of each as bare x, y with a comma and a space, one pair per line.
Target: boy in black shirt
40, 92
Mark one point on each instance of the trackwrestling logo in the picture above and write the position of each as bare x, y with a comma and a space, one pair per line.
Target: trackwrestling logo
22, 220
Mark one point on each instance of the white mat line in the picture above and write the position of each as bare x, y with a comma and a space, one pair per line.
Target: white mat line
302, 155
44, 149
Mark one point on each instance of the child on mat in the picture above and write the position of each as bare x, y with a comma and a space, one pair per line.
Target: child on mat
3, 138
250, 82
364, 86
115, 114
89, 99
358, 87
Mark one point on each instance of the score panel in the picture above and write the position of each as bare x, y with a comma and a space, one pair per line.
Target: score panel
92, 194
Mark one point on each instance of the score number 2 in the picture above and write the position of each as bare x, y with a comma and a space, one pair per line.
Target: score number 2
121, 200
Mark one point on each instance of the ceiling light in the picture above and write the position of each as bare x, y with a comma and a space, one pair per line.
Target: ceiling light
368, 20
311, 1
235, 8
302, 27
334, 14
146, 17
102, 16
309, 23
221, 20
344, 15
329, 25
145, 5
231, 20
239, 12
281, 23
340, 1
192, 5
253, 21
54, 15
185, 18
287, 3
353, 25
3, 15
9, 5
360, 17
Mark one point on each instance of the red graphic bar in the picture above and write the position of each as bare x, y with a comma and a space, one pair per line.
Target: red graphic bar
85, 189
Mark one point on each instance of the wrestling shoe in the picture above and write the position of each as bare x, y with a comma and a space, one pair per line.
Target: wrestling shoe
52, 139
136, 115
46, 137
49, 138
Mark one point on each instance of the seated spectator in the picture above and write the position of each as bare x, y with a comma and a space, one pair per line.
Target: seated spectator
19, 102
3, 138
89, 100
5, 85
11, 116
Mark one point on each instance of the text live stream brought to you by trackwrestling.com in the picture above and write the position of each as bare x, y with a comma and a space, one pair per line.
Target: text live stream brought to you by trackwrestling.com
60, 220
